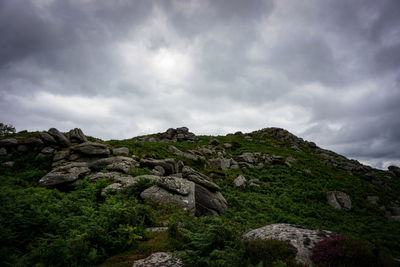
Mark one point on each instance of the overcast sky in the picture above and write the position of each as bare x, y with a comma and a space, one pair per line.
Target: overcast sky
327, 71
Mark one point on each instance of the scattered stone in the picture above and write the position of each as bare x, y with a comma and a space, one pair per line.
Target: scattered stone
65, 174
198, 178
8, 164
3, 152
227, 146
76, 136
121, 151
240, 182
209, 203
8, 142
339, 200
214, 142
59, 137
223, 163
91, 149
301, 238
159, 259
206, 150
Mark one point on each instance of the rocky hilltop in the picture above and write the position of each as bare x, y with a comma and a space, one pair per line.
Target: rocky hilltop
268, 178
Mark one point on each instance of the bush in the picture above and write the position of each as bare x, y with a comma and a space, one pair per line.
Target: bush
268, 251
6, 129
346, 251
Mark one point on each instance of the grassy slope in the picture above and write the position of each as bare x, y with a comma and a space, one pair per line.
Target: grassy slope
43, 225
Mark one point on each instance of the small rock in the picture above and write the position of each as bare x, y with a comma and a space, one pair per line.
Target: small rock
339, 200
158, 170
227, 146
3, 152
240, 182
214, 142
121, 151
8, 164
157, 229
112, 188
159, 259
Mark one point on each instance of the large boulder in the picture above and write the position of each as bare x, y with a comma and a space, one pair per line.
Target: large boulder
223, 163
395, 170
33, 142
198, 178
338, 200
170, 166
121, 164
157, 194
190, 154
175, 185
159, 259
301, 238
76, 136
47, 138
91, 149
208, 202
60, 138
65, 174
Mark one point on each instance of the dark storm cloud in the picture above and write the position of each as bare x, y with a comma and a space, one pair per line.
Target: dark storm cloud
328, 71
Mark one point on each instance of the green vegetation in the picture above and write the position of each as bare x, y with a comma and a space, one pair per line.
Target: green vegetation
47, 227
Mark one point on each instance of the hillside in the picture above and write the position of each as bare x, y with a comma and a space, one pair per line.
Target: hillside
72, 200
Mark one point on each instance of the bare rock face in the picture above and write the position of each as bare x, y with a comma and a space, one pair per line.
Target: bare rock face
301, 238
64, 175
76, 136
339, 200
170, 166
159, 259
91, 149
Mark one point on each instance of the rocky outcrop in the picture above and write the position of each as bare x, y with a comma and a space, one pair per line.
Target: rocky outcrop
59, 137
394, 170
174, 191
91, 149
199, 178
64, 175
159, 259
170, 165
214, 142
338, 200
171, 135
76, 136
120, 164
209, 202
301, 238
190, 154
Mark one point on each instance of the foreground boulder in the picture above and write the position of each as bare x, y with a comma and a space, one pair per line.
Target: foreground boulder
199, 178
66, 174
339, 200
59, 137
91, 149
159, 259
301, 238
208, 202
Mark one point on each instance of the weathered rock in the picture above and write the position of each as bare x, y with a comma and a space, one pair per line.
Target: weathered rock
59, 137
121, 164
170, 165
214, 142
171, 135
198, 178
300, 238
34, 142
91, 149
7, 164
47, 138
339, 200
208, 202
175, 185
157, 229
158, 170
64, 174
48, 150
206, 150
227, 146
22, 148
247, 157
76, 136
112, 188
157, 194
159, 259
121, 151
115, 176
223, 163
190, 154
240, 182
8, 142
61, 155
395, 170
3, 152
